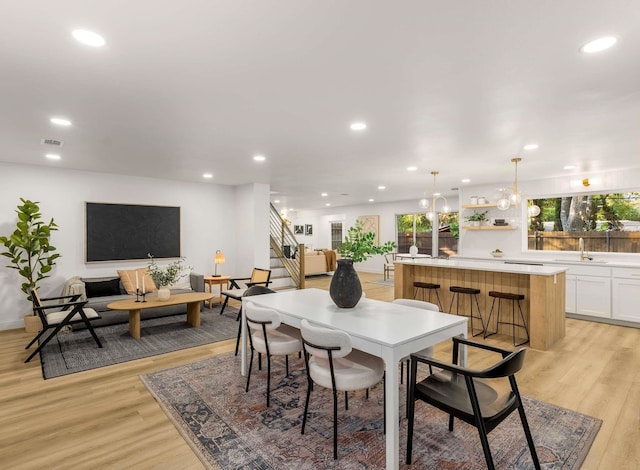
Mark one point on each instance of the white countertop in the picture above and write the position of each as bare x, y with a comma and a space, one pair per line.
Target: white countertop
570, 259
488, 265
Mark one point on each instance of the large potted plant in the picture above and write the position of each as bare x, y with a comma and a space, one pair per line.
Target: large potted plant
30, 251
358, 245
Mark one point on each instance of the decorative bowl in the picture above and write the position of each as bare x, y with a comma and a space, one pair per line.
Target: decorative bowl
497, 254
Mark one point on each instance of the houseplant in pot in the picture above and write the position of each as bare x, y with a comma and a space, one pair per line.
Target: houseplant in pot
477, 218
164, 276
30, 251
345, 289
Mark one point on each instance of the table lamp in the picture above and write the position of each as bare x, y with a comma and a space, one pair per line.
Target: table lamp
218, 259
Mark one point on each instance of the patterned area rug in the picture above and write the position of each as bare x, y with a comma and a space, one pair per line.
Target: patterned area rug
76, 351
231, 429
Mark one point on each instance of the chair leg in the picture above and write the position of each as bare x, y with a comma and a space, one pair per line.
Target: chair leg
524, 325
335, 424
249, 372
36, 338
268, 378
306, 403
479, 316
224, 304
486, 331
346, 401
93, 333
44, 343
238, 339
525, 425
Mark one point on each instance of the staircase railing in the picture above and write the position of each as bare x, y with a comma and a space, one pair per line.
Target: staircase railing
286, 247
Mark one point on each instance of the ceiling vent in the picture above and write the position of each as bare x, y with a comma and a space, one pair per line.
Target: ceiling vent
54, 142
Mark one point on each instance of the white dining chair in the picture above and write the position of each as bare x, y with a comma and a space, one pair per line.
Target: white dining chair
333, 364
270, 337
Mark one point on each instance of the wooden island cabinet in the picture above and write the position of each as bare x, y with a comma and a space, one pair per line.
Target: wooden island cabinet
542, 286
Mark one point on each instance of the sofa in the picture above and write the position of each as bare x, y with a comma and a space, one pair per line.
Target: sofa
101, 291
319, 262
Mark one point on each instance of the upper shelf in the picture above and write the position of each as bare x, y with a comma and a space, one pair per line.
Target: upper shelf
488, 227
478, 206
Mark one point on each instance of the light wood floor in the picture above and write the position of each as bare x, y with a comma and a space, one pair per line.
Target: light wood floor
106, 419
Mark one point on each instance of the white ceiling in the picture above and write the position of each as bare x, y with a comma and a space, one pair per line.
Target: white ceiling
193, 86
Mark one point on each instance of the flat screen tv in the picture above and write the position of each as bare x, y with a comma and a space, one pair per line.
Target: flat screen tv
129, 232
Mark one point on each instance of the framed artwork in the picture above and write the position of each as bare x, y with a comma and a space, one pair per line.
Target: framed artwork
371, 223
308, 229
298, 229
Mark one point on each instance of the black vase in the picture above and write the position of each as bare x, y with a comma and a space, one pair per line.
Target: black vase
345, 290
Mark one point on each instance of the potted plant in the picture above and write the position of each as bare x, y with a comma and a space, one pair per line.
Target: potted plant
164, 276
345, 289
30, 251
477, 218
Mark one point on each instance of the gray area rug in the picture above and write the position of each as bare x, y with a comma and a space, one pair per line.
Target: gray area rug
230, 429
76, 351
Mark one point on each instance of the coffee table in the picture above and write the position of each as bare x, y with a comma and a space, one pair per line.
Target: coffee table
192, 299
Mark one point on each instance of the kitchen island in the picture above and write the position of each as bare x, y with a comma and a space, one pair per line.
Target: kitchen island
542, 286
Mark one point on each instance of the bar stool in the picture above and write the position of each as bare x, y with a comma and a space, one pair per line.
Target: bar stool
457, 291
513, 298
430, 287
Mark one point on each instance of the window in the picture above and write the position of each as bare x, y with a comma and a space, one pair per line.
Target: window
336, 235
608, 223
417, 227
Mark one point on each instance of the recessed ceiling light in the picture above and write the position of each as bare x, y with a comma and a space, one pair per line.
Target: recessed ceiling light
531, 146
382, 188
466, 180
371, 200
277, 201
412, 168
207, 175
60, 121
88, 37
358, 126
599, 45
259, 158
569, 167
324, 194
53, 156
327, 204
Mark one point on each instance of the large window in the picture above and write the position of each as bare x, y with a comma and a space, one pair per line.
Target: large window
608, 223
416, 227
336, 235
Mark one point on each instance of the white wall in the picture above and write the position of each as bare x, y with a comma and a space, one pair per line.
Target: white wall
207, 212
387, 211
252, 228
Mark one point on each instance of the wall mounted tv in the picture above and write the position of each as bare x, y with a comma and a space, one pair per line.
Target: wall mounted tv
129, 232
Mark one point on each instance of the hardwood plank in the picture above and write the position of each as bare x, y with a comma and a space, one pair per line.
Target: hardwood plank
105, 418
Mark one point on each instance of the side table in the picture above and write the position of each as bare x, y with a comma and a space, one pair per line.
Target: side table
216, 280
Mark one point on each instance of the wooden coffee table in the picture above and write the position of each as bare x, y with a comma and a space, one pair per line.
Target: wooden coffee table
192, 299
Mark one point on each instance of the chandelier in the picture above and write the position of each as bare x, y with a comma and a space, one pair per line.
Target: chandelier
424, 203
507, 200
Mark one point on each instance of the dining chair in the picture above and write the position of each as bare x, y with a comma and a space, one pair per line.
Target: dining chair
470, 394
253, 290
58, 312
389, 259
332, 363
270, 337
239, 285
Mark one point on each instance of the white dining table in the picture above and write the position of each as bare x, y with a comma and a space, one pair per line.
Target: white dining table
383, 329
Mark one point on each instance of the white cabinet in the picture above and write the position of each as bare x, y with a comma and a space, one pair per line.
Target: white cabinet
588, 291
593, 296
626, 294
571, 294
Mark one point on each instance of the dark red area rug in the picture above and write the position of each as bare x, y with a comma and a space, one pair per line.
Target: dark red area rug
231, 429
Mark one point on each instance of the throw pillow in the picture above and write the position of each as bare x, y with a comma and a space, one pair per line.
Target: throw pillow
184, 282
102, 288
128, 278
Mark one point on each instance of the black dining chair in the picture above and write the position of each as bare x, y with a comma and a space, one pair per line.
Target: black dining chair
467, 394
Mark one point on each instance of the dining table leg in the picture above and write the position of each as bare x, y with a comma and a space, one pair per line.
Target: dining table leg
392, 390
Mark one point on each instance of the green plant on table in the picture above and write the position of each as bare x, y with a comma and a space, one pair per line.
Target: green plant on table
164, 276
360, 246
29, 247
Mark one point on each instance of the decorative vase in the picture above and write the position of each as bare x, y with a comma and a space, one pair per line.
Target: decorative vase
164, 293
413, 250
345, 289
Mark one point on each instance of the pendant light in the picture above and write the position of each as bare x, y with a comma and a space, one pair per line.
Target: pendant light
424, 203
515, 195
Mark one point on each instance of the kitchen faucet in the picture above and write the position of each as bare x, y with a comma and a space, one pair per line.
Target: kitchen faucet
584, 255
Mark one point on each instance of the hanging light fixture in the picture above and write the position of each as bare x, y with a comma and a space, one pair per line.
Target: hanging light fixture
424, 203
533, 210
514, 198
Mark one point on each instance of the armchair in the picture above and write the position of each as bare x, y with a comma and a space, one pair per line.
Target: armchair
259, 277
67, 313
